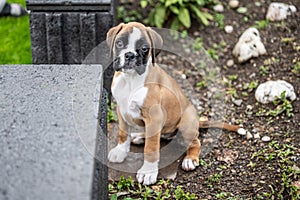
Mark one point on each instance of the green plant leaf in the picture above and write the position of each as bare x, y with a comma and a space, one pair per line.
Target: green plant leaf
175, 24
208, 16
143, 3
114, 197
170, 2
184, 17
159, 17
174, 10
150, 18
200, 2
203, 16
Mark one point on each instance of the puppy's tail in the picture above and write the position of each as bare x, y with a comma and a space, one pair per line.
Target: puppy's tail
205, 123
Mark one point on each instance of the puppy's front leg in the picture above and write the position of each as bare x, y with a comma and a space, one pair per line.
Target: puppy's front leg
153, 123
119, 153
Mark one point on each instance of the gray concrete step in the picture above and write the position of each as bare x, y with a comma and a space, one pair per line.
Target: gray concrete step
48, 130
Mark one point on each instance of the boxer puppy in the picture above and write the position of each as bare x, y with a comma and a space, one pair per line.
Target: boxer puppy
149, 99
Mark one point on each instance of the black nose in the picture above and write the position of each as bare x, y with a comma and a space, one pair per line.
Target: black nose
129, 56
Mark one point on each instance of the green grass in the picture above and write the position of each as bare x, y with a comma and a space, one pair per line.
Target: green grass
15, 39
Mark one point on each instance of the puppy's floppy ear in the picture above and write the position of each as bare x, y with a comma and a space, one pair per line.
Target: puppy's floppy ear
111, 36
156, 43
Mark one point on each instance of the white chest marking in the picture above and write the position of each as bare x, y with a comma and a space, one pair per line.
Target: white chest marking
130, 94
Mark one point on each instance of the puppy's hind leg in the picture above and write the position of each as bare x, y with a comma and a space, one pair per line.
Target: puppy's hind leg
189, 128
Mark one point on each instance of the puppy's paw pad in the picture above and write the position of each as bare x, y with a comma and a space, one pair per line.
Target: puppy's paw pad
117, 155
189, 164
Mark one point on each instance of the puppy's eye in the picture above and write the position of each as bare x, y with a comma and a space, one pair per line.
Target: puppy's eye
119, 44
145, 48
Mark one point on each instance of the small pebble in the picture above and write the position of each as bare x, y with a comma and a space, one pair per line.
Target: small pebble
249, 135
256, 136
183, 76
249, 107
228, 29
266, 138
271, 129
237, 102
258, 4
241, 131
187, 50
208, 140
252, 75
230, 63
173, 57
196, 33
254, 185
255, 130
242, 10
219, 8
233, 120
234, 3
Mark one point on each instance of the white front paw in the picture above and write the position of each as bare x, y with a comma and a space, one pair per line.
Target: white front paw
117, 155
188, 164
148, 173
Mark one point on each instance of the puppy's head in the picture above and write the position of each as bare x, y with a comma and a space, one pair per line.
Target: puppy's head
132, 46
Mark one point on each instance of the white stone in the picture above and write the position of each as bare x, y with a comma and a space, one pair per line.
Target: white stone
249, 135
230, 63
271, 90
249, 107
228, 28
256, 136
255, 130
234, 3
241, 131
218, 8
279, 11
258, 4
249, 45
187, 50
237, 102
266, 138
196, 33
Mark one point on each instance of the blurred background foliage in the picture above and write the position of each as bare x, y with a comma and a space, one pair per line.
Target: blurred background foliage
174, 14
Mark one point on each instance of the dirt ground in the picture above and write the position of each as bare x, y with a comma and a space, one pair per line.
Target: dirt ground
237, 167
